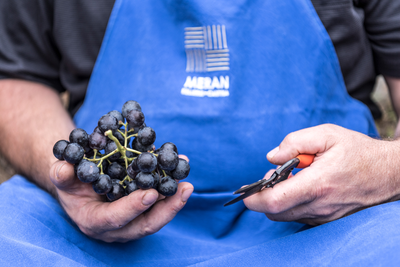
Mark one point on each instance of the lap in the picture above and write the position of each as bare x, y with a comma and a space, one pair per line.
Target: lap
35, 230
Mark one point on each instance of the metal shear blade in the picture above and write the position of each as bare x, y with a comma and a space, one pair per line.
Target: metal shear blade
278, 176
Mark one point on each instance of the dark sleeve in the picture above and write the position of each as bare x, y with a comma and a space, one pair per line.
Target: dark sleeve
382, 24
53, 42
27, 50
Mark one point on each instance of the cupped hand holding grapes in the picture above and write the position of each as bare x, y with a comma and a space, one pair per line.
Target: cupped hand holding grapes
122, 220
106, 181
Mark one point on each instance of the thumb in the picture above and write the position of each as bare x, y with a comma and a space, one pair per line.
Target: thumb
62, 174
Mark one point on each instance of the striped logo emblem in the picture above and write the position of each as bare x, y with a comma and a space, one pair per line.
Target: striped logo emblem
206, 52
206, 49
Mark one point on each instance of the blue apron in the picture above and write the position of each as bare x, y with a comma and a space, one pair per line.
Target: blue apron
225, 81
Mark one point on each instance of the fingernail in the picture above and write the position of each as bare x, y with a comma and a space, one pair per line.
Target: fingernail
186, 194
149, 198
59, 169
273, 152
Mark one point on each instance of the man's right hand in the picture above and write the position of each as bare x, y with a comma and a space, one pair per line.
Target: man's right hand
350, 172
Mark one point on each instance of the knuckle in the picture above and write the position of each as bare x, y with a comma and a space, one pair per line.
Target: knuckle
176, 208
148, 229
329, 127
330, 131
273, 205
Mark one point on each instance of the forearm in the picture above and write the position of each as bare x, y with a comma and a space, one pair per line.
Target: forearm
32, 120
394, 89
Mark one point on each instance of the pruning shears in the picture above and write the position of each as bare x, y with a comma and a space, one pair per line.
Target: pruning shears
281, 174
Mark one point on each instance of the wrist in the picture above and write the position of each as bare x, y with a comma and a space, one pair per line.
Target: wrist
388, 161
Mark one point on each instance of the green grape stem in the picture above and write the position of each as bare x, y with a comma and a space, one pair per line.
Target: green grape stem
110, 135
134, 151
102, 158
132, 135
123, 134
95, 153
120, 148
101, 167
129, 179
131, 159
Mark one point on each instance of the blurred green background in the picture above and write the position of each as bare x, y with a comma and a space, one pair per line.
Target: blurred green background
386, 125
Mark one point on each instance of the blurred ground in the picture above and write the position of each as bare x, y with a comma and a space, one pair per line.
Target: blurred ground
386, 125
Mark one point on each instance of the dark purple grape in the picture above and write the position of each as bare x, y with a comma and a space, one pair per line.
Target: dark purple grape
132, 174
80, 137
87, 171
130, 187
159, 170
105, 165
58, 149
139, 147
73, 153
132, 169
168, 160
146, 162
130, 105
110, 147
116, 192
102, 185
145, 180
157, 179
125, 182
116, 171
117, 115
181, 171
76, 167
89, 154
146, 136
169, 146
97, 141
108, 122
97, 130
135, 118
130, 154
134, 166
167, 186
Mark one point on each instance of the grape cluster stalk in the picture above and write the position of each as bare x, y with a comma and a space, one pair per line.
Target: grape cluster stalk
119, 156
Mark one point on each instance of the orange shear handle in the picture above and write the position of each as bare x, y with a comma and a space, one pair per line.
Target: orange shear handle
305, 160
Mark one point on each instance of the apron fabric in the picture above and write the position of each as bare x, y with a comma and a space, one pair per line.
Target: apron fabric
225, 81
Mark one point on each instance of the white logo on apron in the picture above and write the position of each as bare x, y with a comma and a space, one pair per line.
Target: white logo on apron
206, 51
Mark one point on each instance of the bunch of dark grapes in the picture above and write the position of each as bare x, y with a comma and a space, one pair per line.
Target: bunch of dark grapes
119, 156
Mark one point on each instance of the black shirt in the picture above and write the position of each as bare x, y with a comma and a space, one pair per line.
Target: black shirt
56, 42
